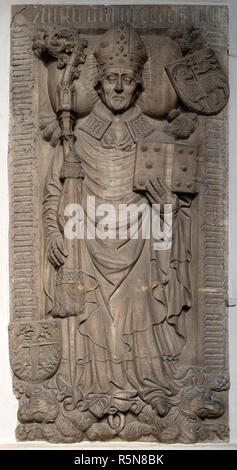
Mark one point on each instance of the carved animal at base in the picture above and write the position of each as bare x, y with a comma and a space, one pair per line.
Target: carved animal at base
183, 421
41, 406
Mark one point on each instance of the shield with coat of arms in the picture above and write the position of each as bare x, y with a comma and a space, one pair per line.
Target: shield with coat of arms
200, 82
35, 349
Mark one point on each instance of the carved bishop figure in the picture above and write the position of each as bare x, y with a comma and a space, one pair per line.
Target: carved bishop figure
117, 330
132, 328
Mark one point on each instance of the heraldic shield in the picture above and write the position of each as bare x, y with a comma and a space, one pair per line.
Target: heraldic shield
200, 82
35, 350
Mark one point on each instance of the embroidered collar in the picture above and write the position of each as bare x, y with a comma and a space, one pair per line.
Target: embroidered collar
100, 119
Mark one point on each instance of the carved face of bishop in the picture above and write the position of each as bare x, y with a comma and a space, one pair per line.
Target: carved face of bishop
119, 89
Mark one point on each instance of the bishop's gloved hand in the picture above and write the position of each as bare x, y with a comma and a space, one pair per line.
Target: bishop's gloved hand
157, 192
56, 251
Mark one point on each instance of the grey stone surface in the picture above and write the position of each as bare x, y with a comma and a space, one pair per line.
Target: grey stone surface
142, 352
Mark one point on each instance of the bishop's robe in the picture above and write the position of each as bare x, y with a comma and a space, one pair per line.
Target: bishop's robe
132, 330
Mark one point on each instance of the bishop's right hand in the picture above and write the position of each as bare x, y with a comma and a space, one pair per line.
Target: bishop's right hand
158, 192
57, 253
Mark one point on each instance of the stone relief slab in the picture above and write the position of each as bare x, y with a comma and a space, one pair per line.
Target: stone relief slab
119, 119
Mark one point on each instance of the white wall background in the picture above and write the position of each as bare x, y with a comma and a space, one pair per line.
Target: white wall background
8, 403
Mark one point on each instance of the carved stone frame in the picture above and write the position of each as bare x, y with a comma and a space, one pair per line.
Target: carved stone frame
25, 173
